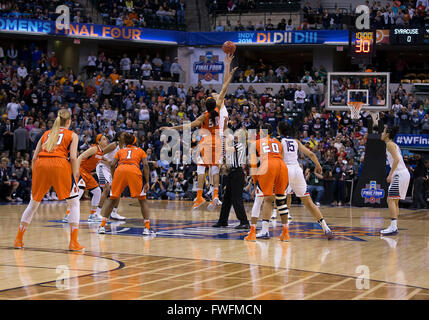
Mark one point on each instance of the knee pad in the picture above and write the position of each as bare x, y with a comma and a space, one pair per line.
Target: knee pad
256, 209
30, 211
201, 170
96, 195
74, 207
281, 204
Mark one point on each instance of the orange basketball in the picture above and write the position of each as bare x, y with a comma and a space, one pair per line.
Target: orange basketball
228, 47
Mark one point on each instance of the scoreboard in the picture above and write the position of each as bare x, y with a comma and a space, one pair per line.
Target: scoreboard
362, 45
409, 36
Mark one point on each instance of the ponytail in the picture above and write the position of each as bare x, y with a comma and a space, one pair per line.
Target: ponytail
213, 115
50, 144
211, 108
61, 120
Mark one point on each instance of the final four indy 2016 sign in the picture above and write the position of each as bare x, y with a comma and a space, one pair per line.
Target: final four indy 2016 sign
208, 67
372, 192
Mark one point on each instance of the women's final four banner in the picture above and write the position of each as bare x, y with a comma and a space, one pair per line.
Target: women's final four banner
95, 31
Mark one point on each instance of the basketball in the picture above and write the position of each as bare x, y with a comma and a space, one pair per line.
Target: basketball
228, 47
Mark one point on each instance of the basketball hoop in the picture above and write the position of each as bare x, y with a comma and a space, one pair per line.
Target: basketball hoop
355, 107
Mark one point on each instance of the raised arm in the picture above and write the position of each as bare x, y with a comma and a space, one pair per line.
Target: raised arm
225, 86
311, 155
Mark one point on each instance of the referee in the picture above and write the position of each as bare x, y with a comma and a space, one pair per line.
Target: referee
234, 184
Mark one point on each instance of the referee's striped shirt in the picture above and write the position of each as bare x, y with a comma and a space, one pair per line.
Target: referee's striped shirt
236, 157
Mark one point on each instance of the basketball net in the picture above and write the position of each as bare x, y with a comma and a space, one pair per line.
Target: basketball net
355, 107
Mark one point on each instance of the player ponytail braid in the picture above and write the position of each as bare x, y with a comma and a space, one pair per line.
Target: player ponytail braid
211, 108
61, 120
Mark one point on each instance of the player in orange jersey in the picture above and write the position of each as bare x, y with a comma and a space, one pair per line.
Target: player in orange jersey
271, 177
210, 146
128, 173
51, 168
87, 162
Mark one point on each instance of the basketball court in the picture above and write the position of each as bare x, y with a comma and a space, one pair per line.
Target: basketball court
191, 260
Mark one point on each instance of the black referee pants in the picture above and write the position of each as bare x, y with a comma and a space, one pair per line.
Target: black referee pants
233, 196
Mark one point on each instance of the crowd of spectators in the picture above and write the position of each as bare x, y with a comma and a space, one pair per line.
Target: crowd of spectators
32, 91
168, 14
137, 67
414, 13
44, 10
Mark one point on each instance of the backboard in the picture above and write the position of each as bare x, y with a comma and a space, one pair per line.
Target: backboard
371, 88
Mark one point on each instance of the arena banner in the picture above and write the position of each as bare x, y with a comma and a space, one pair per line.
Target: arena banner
412, 140
92, 31
103, 32
207, 65
270, 37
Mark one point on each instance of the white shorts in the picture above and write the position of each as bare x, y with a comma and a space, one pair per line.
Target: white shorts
297, 183
104, 174
399, 185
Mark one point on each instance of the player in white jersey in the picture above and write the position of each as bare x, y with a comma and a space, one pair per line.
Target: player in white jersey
104, 174
399, 178
297, 182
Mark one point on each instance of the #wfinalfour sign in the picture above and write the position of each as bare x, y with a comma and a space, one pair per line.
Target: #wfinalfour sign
207, 65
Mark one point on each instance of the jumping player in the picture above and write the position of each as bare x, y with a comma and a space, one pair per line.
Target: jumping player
210, 147
399, 178
271, 175
128, 173
51, 168
87, 162
223, 125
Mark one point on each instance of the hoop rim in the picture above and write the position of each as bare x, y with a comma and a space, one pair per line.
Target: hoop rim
355, 108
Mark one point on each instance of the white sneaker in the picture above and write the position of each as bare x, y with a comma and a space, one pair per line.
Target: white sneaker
149, 232
18, 199
263, 235
217, 202
389, 231
101, 230
289, 216
66, 218
116, 216
48, 197
54, 196
317, 204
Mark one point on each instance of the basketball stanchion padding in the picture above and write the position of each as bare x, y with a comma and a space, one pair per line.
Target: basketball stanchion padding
371, 187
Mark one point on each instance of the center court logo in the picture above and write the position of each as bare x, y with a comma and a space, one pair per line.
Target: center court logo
372, 192
209, 67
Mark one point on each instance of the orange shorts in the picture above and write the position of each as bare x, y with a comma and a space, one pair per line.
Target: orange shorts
274, 180
53, 172
210, 151
127, 175
90, 182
